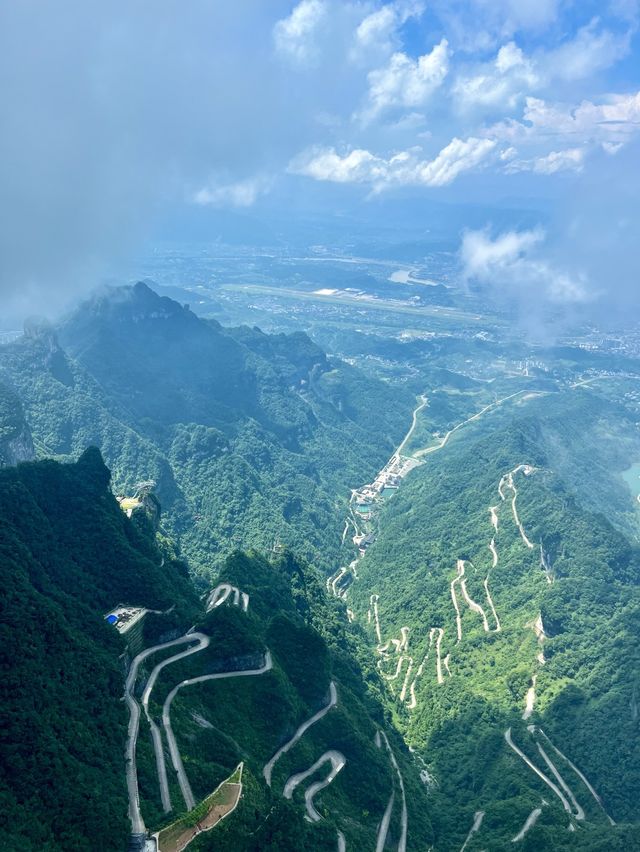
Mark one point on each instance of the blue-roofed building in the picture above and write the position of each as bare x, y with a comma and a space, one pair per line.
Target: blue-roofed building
112, 619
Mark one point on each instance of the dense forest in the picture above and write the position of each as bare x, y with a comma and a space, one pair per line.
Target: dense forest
250, 438
553, 625
69, 555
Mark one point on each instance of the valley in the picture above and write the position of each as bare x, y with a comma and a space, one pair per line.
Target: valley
426, 675
320, 426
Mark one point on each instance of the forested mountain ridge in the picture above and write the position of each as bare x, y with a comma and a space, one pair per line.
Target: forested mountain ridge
250, 437
69, 555
515, 610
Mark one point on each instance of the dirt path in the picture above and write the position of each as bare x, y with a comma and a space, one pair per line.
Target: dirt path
304, 727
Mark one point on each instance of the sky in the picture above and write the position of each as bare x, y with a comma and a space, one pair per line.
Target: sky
116, 115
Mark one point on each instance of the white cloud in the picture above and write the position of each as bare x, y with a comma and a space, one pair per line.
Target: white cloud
509, 56
402, 169
591, 50
406, 82
512, 263
294, 36
458, 156
570, 159
611, 148
482, 24
243, 193
615, 120
379, 30
358, 166
502, 82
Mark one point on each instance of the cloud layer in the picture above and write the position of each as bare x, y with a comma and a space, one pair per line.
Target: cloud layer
119, 112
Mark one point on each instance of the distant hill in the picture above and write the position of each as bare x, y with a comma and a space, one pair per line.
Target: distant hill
251, 438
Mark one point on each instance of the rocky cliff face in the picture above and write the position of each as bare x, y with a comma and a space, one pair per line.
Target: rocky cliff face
16, 443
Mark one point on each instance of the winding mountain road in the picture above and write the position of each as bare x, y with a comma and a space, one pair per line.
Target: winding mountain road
404, 819
498, 628
414, 421
383, 830
538, 772
176, 759
444, 441
580, 775
304, 727
135, 816
222, 592
337, 760
202, 642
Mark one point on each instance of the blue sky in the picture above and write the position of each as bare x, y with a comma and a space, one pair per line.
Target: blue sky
115, 114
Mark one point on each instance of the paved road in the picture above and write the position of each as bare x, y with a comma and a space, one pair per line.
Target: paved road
337, 760
135, 817
539, 773
444, 441
530, 821
580, 775
176, 759
477, 822
404, 819
202, 641
333, 700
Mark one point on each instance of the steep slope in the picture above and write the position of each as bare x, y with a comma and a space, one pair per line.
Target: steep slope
260, 672
250, 437
16, 443
508, 617
289, 723
68, 554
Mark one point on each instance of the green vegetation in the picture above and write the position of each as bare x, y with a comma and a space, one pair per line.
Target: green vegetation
68, 554
587, 689
222, 722
251, 438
